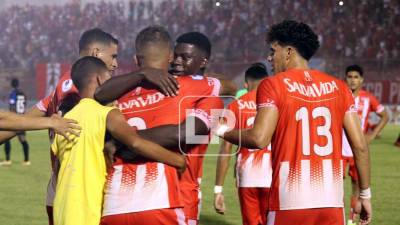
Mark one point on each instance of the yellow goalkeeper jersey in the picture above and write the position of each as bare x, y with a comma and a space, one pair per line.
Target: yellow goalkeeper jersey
82, 174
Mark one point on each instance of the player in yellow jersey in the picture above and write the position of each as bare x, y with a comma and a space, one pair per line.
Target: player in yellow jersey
82, 175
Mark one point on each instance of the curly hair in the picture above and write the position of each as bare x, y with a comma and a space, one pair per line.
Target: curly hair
296, 34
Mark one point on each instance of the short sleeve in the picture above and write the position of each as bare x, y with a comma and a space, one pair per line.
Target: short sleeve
204, 107
267, 94
43, 104
376, 106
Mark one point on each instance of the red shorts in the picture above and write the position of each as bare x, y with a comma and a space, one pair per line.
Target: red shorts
321, 216
253, 205
149, 217
352, 168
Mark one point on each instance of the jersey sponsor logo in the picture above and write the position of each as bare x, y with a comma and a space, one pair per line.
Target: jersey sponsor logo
66, 85
141, 101
313, 90
247, 105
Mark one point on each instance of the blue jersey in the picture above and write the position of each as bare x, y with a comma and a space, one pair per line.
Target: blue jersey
17, 101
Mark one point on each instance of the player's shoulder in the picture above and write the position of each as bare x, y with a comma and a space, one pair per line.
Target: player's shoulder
249, 96
65, 83
365, 93
204, 85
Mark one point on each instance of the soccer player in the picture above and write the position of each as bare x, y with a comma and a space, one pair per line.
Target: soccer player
365, 103
17, 102
302, 112
188, 59
253, 166
82, 173
93, 42
146, 108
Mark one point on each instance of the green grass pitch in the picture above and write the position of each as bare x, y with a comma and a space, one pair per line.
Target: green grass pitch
22, 189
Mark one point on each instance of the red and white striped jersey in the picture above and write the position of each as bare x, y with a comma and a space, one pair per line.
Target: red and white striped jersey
307, 143
365, 103
253, 166
146, 185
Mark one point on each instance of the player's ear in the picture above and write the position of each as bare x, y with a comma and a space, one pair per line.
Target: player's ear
204, 63
94, 52
289, 51
136, 60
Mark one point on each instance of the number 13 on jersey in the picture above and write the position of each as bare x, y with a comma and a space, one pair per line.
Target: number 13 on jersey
303, 115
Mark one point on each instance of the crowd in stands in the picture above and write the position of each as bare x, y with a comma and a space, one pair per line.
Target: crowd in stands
357, 29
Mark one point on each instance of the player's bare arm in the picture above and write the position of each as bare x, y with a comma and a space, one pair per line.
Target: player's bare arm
15, 122
384, 118
121, 131
174, 136
224, 157
117, 86
260, 135
34, 112
361, 155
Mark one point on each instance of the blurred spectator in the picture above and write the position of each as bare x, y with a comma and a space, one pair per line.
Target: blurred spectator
362, 29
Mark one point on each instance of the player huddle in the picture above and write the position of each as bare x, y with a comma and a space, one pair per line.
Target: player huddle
132, 162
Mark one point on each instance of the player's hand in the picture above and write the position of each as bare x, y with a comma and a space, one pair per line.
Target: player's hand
65, 127
219, 203
167, 83
364, 209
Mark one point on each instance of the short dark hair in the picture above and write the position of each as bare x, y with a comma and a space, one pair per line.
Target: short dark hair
296, 34
151, 35
256, 71
356, 68
84, 68
14, 82
69, 102
197, 39
95, 35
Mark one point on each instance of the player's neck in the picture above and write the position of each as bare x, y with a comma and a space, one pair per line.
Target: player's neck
87, 92
297, 63
356, 92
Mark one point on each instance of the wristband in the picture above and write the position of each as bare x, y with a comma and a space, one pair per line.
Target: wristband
222, 130
365, 193
217, 189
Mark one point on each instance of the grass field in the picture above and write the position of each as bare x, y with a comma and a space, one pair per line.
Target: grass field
22, 189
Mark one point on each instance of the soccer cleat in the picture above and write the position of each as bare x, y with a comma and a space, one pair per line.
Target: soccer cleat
26, 163
6, 163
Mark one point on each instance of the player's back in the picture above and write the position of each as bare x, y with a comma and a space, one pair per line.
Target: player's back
253, 166
146, 184
17, 101
82, 173
306, 155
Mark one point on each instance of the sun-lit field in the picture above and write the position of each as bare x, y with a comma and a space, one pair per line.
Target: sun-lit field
22, 189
